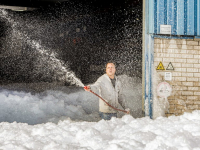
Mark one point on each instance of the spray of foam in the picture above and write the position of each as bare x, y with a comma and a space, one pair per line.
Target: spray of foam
56, 64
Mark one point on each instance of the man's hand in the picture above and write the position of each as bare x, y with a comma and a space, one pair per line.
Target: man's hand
87, 88
127, 110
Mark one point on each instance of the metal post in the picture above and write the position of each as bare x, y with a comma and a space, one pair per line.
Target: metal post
148, 59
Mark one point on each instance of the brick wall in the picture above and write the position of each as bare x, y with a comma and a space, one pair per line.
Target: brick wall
185, 58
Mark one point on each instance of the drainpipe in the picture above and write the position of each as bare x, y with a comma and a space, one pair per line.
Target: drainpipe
148, 59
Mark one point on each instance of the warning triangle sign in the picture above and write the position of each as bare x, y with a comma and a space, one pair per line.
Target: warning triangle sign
160, 66
170, 66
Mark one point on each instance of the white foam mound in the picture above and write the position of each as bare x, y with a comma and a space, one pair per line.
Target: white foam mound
126, 133
47, 106
65, 102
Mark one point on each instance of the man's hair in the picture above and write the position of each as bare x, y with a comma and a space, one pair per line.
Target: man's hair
110, 62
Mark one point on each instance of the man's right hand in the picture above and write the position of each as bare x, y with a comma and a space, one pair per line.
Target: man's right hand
87, 88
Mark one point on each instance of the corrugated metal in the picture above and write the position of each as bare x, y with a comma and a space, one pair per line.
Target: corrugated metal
197, 25
182, 15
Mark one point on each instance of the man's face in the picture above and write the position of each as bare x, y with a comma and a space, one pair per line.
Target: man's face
110, 69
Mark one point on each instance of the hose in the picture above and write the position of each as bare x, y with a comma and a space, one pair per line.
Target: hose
106, 102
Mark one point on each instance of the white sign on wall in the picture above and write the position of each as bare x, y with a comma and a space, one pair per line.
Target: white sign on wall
164, 89
165, 29
168, 76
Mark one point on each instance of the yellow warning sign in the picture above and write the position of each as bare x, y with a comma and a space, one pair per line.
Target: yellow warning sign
160, 66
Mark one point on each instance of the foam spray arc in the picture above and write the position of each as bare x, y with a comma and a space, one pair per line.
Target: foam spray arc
62, 73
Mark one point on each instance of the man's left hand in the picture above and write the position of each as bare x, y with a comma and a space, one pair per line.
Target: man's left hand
127, 110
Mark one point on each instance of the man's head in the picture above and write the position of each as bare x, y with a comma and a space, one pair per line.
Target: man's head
110, 69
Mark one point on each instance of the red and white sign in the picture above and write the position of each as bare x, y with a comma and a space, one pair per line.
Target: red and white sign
164, 89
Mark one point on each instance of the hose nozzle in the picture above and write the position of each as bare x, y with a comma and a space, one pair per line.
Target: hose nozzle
85, 87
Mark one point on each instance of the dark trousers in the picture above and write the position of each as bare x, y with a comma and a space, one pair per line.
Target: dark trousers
107, 116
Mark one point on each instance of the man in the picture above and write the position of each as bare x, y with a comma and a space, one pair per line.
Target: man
109, 89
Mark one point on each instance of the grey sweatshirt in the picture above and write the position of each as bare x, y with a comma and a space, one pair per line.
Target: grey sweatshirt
106, 90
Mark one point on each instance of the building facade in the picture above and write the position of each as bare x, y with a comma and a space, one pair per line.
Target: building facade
171, 55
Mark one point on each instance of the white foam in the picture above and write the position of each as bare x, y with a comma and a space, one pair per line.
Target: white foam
173, 133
